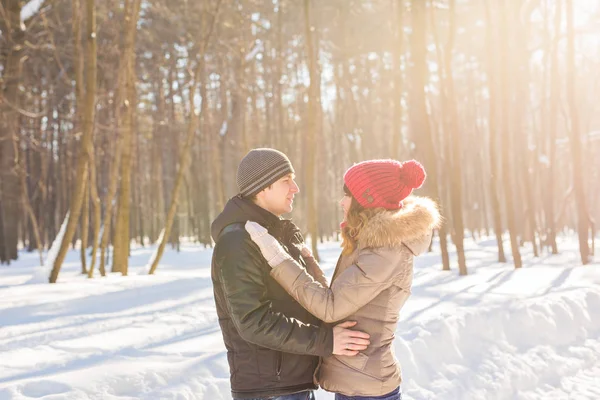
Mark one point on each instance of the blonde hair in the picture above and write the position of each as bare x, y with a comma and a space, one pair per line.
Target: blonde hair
356, 219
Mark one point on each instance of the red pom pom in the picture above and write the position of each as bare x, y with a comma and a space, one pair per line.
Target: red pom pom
412, 174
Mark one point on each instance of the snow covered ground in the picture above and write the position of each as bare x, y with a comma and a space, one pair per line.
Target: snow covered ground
495, 334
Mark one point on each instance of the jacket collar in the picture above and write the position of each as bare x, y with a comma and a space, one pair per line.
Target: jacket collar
411, 225
240, 210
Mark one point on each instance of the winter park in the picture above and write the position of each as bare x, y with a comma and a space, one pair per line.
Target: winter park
299, 200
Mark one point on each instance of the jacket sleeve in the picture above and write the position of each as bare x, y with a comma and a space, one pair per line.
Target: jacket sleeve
373, 272
314, 269
245, 292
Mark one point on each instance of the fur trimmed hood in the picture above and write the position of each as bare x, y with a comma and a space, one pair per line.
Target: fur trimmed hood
412, 225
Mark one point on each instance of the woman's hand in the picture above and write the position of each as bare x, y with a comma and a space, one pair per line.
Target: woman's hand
306, 252
269, 246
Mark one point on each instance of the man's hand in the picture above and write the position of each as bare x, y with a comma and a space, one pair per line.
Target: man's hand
269, 246
347, 342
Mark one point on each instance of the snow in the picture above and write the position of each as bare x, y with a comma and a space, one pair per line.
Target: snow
594, 135
543, 159
30, 9
258, 47
497, 333
144, 271
224, 128
42, 272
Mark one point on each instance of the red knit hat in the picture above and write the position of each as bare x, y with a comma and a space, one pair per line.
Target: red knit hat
383, 183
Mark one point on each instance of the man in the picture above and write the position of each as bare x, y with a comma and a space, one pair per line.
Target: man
273, 344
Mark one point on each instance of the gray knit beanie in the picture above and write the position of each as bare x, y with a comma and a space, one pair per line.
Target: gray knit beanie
261, 168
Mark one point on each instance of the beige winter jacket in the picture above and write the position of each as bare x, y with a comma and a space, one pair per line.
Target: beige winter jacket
369, 286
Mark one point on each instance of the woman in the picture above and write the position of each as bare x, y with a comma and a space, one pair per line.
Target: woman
383, 229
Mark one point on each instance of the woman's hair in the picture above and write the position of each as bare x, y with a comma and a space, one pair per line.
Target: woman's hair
356, 219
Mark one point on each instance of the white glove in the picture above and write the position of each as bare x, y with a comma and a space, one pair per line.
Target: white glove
269, 246
306, 252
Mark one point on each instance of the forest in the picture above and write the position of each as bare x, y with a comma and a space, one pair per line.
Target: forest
123, 121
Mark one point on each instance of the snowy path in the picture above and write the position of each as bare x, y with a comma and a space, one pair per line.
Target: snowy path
495, 334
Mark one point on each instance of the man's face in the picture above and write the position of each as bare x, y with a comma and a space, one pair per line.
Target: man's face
279, 197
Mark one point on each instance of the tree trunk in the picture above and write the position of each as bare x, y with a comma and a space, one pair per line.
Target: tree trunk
122, 234
78, 193
311, 146
194, 117
9, 130
493, 126
526, 159
139, 196
204, 211
96, 203
419, 119
507, 170
552, 125
83, 228
397, 93
108, 201
78, 64
279, 68
583, 220
28, 208
444, 155
113, 175
455, 140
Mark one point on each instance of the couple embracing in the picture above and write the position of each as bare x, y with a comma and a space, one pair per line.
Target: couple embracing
285, 327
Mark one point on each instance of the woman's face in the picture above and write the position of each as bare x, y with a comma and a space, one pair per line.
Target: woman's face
345, 203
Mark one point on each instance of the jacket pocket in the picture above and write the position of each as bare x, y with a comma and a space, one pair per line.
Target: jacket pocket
266, 364
279, 365
357, 362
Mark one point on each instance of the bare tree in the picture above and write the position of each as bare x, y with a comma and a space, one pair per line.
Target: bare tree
122, 239
493, 132
397, 62
311, 147
455, 140
552, 122
9, 128
507, 165
78, 195
194, 118
583, 219
420, 123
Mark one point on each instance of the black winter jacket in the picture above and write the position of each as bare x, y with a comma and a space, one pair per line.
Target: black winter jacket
273, 344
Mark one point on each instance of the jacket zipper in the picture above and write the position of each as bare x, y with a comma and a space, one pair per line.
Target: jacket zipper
279, 361
337, 267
